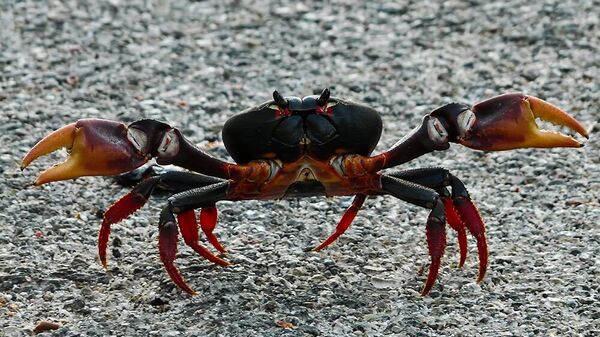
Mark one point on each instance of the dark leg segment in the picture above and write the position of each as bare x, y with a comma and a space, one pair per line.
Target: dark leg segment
134, 200
435, 230
461, 213
183, 204
345, 222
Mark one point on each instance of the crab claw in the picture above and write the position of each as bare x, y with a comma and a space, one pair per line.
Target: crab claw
96, 147
508, 122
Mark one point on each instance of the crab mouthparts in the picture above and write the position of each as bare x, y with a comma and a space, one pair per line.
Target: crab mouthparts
306, 175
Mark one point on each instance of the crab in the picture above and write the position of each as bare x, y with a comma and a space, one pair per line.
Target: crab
292, 147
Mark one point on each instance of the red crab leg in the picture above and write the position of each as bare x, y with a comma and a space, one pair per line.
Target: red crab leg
208, 222
345, 222
167, 248
472, 220
456, 223
120, 210
189, 231
436, 224
436, 244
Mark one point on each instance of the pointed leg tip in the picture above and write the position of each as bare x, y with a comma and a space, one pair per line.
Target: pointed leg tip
481, 276
186, 288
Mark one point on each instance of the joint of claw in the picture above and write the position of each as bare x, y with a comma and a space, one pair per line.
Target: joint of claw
465, 120
138, 139
436, 131
169, 145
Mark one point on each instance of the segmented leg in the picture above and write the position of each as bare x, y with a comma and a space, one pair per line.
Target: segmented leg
167, 248
173, 181
183, 204
208, 222
457, 224
461, 213
436, 245
121, 209
435, 230
471, 218
345, 222
189, 230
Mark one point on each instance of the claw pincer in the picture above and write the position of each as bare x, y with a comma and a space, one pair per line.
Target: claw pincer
508, 122
96, 147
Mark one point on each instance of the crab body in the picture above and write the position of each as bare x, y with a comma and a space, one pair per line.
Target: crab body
302, 128
290, 147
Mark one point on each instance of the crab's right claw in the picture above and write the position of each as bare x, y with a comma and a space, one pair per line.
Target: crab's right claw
508, 122
96, 147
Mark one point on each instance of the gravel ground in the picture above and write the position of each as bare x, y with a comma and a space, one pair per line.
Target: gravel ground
195, 64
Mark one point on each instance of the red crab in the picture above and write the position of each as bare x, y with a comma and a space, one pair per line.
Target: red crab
291, 147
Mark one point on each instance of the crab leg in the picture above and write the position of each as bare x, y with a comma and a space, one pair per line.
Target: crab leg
183, 204
121, 209
189, 231
435, 230
436, 245
459, 218
472, 220
131, 202
345, 222
208, 222
167, 248
456, 223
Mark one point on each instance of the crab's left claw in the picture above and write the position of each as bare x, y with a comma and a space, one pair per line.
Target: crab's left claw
508, 122
96, 147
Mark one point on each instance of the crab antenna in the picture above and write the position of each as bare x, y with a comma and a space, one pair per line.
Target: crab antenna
279, 100
324, 98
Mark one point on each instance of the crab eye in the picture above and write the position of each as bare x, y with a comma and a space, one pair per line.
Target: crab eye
436, 131
137, 138
169, 145
465, 119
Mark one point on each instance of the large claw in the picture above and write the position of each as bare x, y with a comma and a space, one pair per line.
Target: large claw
96, 147
508, 122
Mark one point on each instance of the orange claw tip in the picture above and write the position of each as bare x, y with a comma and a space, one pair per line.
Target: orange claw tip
60, 138
551, 113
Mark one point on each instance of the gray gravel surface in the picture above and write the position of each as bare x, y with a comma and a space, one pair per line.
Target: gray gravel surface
195, 64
